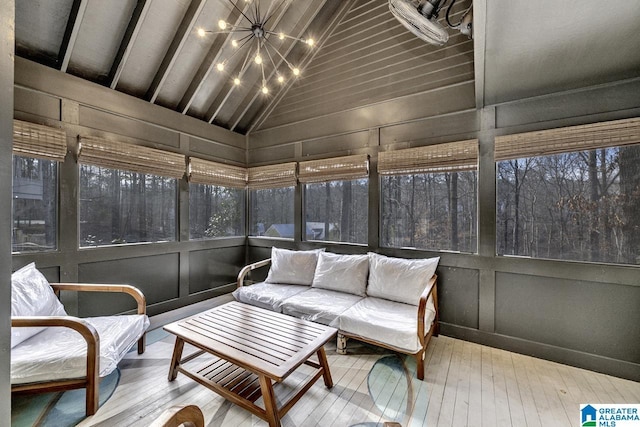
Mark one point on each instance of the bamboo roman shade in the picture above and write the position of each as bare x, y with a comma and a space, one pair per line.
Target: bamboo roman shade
449, 157
334, 169
213, 173
563, 140
44, 142
272, 176
134, 158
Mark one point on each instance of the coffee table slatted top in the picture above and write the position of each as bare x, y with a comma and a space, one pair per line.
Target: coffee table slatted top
270, 343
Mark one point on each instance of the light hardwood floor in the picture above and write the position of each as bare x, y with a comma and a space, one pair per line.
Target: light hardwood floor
466, 384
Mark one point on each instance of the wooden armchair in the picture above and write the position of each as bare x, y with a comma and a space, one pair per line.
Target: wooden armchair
90, 334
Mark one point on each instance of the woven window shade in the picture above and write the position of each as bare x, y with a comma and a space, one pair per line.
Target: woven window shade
334, 169
32, 140
213, 173
575, 138
449, 157
273, 176
134, 158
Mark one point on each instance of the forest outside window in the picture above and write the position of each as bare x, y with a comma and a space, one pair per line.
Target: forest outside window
37, 149
128, 193
216, 199
428, 197
271, 200
34, 204
336, 199
580, 202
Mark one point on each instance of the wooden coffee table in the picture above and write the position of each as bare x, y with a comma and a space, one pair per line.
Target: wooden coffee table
254, 349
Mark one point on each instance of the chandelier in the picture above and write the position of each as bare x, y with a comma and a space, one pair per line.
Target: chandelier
254, 36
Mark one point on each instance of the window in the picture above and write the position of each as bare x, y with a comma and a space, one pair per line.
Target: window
428, 197
35, 204
336, 199
272, 212
37, 149
216, 199
127, 193
579, 205
215, 211
118, 207
434, 211
271, 198
337, 211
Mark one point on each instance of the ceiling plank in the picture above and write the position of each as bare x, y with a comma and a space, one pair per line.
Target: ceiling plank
328, 29
182, 33
129, 38
71, 33
207, 63
219, 102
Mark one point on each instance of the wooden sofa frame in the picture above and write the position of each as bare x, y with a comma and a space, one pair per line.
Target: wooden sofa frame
92, 380
423, 336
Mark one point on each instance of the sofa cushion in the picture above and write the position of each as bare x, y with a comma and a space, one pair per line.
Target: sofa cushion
31, 295
344, 273
319, 305
398, 279
389, 322
267, 295
292, 267
61, 353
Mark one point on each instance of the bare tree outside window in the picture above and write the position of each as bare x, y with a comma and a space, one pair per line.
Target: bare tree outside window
337, 211
580, 206
436, 211
215, 211
34, 204
118, 207
271, 212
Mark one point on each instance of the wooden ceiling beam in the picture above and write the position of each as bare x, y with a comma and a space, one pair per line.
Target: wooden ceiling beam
179, 39
71, 33
128, 40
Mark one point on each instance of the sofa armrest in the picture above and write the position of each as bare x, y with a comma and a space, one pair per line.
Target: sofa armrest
431, 289
246, 269
91, 287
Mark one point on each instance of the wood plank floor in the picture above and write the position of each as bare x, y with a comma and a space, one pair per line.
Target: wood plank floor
466, 384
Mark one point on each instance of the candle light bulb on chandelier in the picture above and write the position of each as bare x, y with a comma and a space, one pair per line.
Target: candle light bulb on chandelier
310, 42
265, 90
296, 72
281, 36
201, 32
280, 79
236, 81
234, 43
258, 59
220, 66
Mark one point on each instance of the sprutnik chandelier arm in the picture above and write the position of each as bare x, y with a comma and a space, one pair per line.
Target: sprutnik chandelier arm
255, 31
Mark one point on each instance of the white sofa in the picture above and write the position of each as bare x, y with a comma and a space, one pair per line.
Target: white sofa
389, 302
52, 351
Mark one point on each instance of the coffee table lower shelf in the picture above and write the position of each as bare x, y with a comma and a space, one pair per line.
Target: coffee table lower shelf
244, 387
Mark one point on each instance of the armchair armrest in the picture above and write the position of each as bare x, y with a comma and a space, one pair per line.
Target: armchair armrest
246, 269
431, 289
89, 334
91, 287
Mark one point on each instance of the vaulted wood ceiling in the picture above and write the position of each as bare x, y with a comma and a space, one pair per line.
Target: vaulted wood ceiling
150, 49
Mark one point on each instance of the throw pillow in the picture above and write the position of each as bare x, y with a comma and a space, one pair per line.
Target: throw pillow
398, 279
31, 295
292, 267
344, 273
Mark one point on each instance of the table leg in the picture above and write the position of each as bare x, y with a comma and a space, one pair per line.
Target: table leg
326, 373
270, 404
175, 360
